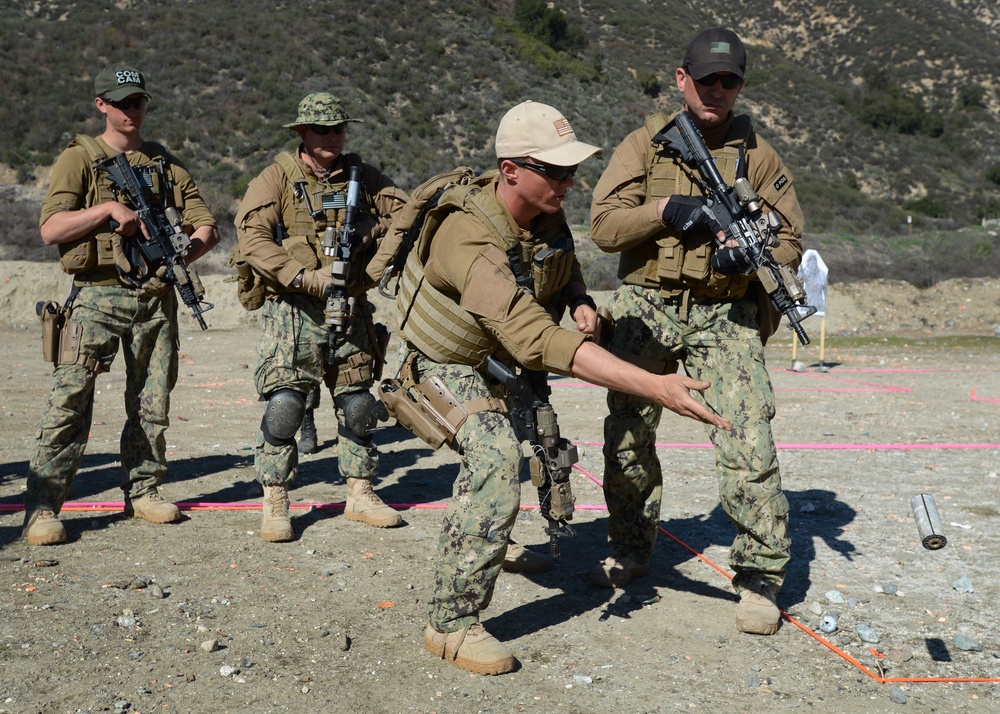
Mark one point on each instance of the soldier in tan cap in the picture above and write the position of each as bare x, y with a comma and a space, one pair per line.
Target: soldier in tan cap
281, 224
493, 279
688, 298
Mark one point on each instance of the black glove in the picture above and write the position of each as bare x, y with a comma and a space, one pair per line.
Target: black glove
730, 261
690, 214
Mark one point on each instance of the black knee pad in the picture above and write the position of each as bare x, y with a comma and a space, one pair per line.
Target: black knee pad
359, 416
283, 416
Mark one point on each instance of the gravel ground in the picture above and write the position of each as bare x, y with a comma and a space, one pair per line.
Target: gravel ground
204, 616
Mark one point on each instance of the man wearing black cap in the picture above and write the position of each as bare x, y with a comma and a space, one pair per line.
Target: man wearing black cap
88, 222
674, 307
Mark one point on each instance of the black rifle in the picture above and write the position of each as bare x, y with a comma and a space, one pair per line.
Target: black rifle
339, 303
553, 457
167, 243
738, 210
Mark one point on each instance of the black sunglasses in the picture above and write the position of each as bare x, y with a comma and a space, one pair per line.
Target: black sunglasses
321, 130
729, 81
126, 104
556, 173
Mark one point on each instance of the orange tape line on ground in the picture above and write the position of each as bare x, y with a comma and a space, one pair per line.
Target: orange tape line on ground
822, 640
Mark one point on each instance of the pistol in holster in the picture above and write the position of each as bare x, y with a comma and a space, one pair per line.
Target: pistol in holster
60, 335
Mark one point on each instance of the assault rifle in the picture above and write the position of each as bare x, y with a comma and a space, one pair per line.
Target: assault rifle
167, 243
553, 457
738, 210
339, 303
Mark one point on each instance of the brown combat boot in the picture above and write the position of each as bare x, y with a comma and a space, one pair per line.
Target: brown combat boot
152, 508
758, 613
617, 572
471, 648
521, 560
275, 525
307, 434
364, 505
41, 527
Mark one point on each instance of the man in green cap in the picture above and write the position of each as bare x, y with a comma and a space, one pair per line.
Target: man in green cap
287, 211
88, 222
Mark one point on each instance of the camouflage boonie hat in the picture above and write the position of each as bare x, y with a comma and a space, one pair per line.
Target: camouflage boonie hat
321, 108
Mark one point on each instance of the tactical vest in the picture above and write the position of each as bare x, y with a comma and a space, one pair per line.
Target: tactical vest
328, 203
434, 322
94, 251
674, 263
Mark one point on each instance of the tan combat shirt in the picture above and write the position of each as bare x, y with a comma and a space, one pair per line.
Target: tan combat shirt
467, 262
266, 204
621, 219
72, 184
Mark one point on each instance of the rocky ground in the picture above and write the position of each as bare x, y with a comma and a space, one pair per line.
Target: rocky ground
204, 616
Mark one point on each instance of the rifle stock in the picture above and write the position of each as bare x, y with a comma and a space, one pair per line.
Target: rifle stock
167, 243
738, 210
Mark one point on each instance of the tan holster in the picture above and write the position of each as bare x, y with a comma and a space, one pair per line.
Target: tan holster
428, 408
61, 337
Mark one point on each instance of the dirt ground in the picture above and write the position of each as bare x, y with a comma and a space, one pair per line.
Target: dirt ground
205, 616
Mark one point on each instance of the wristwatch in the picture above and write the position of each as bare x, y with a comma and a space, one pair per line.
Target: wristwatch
297, 280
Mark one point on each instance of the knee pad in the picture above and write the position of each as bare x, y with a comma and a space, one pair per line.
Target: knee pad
359, 416
283, 416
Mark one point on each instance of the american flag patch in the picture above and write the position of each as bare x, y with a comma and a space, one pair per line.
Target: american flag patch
562, 126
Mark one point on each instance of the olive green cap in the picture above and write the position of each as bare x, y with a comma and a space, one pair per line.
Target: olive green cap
321, 108
119, 81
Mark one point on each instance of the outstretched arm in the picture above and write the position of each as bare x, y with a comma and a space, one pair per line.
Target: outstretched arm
673, 391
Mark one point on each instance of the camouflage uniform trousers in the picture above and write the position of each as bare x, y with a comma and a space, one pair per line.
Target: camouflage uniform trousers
718, 343
484, 504
146, 330
292, 354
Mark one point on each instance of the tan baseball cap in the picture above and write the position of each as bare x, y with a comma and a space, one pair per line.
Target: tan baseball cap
543, 133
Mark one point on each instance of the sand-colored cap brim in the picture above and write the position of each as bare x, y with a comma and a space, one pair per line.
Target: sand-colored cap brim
569, 154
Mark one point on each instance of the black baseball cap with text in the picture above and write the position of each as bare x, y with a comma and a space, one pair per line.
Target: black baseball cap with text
715, 50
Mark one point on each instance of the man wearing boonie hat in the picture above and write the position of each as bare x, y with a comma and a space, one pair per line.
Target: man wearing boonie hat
281, 224
112, 308
462, 298
687, 298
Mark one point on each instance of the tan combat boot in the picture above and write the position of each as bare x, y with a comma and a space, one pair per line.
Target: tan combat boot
41, 527
758, 613
471, 648
364, 505
617, 572
152, 508
275, 525
521, 560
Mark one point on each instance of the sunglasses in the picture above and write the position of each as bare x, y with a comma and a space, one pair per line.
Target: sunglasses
556, 173
320, 130
729, 81
126, 104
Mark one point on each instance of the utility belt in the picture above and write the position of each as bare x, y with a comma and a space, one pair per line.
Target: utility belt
428, 408
97, 278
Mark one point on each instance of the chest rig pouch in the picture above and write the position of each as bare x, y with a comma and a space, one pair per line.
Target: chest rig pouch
97, 250
318, 213
685, 262
434, 322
